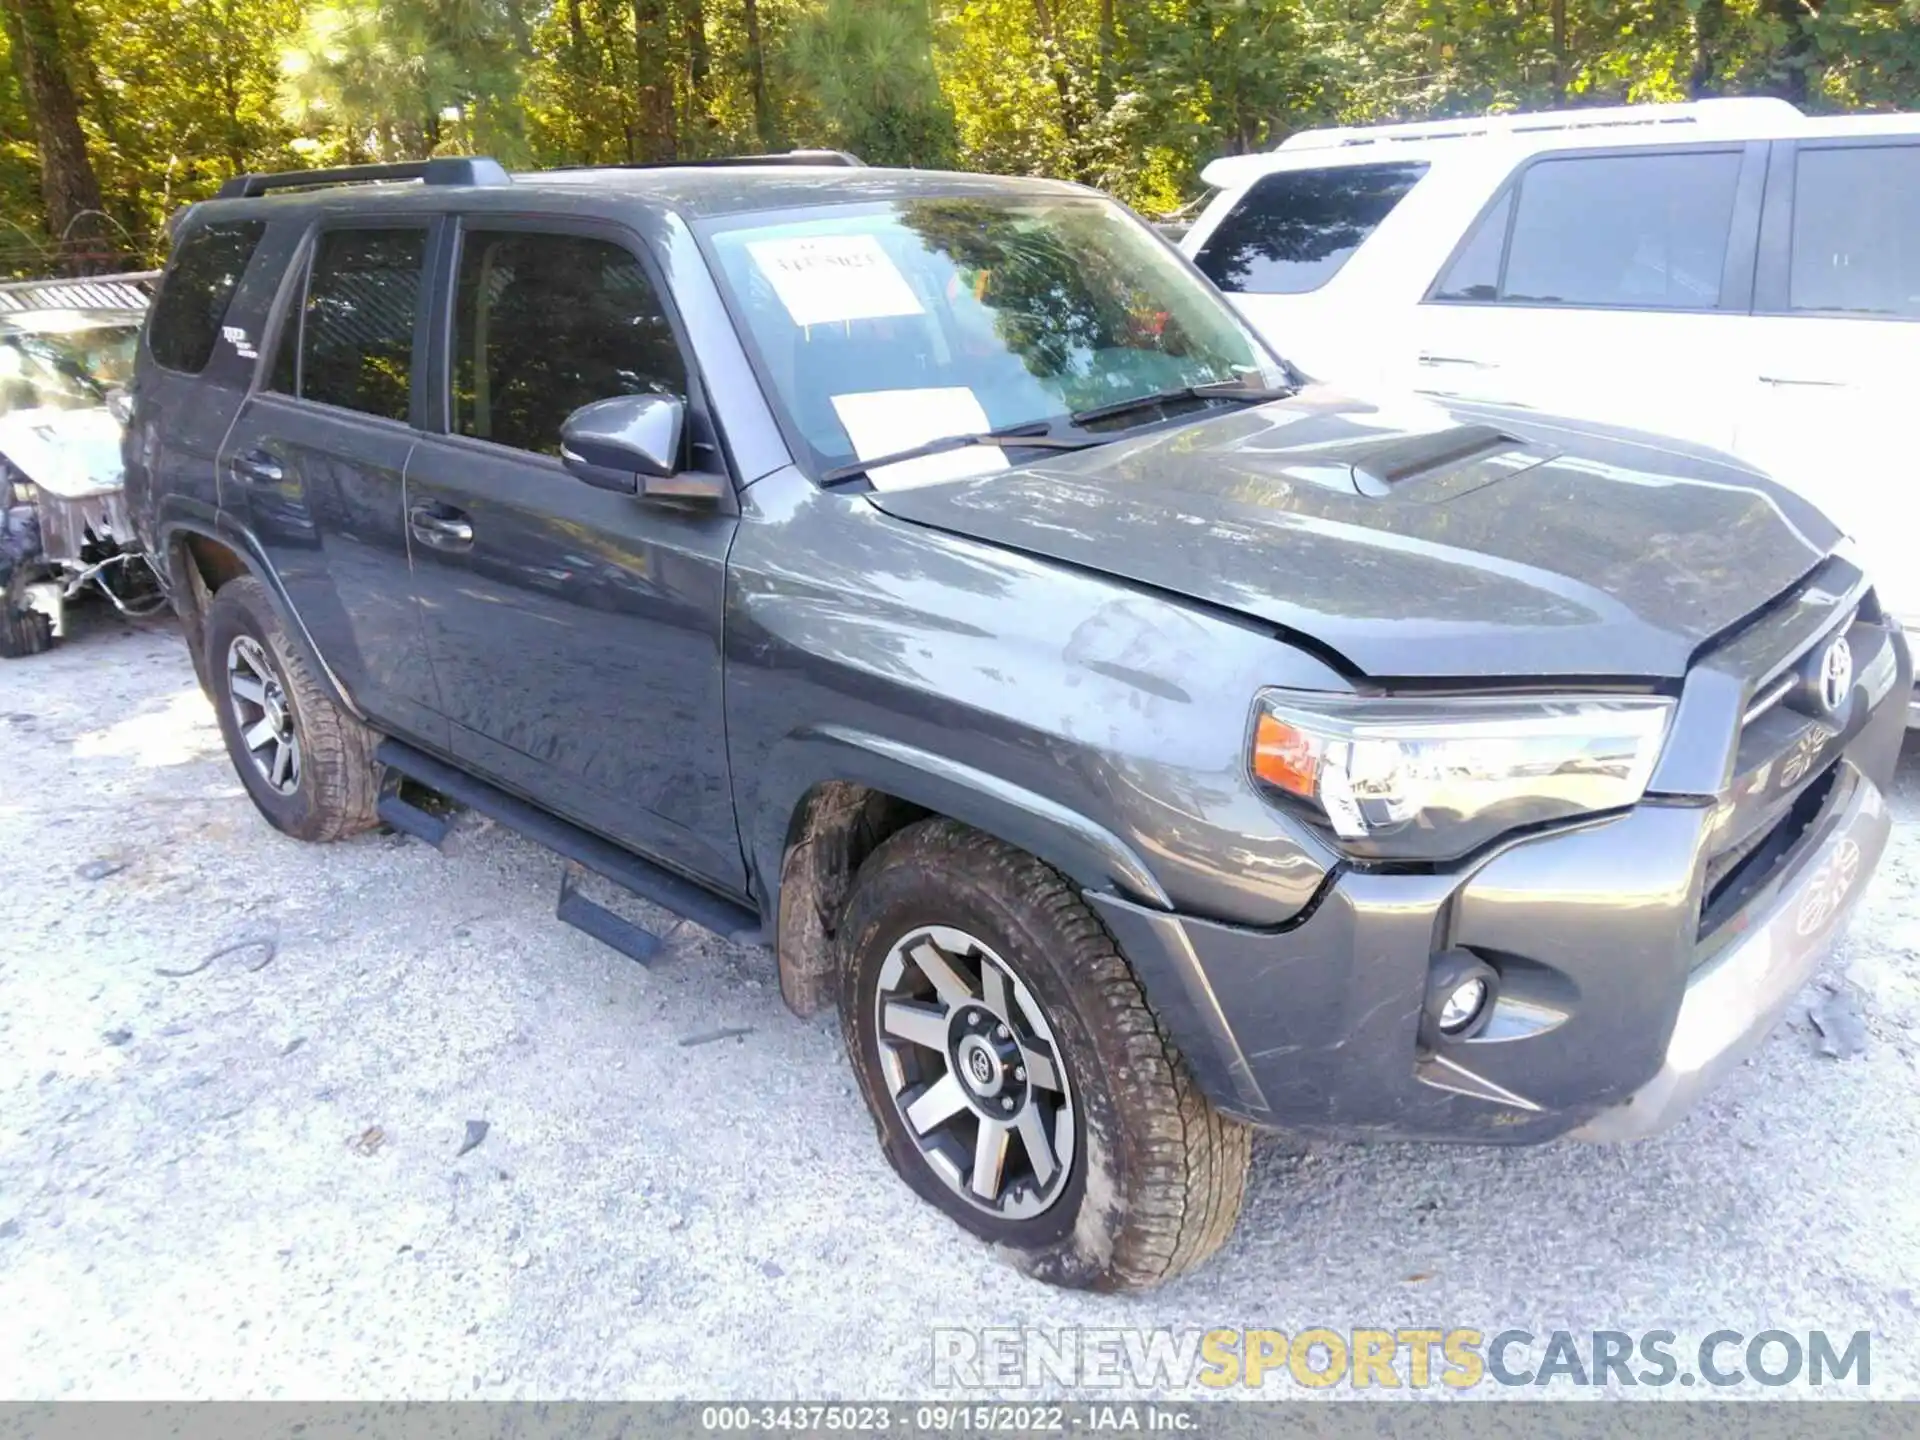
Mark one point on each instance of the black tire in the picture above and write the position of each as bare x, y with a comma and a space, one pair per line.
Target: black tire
1157, 1175
337, 782
23, 630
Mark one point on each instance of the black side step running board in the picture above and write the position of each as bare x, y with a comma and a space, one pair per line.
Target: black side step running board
586, 850
405, 816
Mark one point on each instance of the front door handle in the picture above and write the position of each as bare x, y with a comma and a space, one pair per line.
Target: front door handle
440, 526
257, 466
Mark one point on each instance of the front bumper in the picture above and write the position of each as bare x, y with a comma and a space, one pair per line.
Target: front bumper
1733, 1000
1636, 965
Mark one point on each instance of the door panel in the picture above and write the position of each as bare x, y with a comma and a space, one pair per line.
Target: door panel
575, 632
576, 638
315, 466
1834, 360
1668, 374
1604, 285
322, 490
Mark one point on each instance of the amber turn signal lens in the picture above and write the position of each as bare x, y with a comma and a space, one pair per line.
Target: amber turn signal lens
1286, 757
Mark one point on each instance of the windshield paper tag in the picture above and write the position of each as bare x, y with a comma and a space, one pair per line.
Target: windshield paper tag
883, 422
830, 278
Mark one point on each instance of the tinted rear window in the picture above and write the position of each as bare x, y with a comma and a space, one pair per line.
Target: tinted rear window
1291, 232
1856, 231
193, 298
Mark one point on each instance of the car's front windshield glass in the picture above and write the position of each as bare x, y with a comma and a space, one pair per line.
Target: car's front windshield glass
64, 368
882, 326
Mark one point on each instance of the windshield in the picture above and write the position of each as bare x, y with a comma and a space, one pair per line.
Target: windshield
880, 327
65, 369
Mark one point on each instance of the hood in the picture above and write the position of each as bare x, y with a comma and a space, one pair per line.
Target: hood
1415, 541
69, 453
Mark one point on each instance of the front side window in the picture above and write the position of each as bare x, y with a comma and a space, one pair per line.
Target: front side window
880, 326
356, 329
1640, 231
1292, 231
1856, 231
192, 303
544, 324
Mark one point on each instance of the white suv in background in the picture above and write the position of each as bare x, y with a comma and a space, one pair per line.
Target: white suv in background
1730, 272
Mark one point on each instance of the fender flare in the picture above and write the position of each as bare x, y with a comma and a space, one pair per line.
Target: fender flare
184, 524
1089, 854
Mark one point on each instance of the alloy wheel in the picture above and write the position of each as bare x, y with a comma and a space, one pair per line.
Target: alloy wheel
975, 1073
263, 714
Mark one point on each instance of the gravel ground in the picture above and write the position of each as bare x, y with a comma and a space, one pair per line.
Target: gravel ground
247, 1172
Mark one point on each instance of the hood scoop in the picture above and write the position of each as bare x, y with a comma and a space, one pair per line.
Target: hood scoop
1437, 466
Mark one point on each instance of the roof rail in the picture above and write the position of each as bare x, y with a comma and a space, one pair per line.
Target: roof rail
784, 157
441, 170
1750, 109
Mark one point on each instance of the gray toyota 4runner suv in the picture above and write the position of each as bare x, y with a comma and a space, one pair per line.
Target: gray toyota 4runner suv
929, 577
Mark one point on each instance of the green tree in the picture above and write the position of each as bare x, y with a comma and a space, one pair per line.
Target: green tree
39, 43
387, 79
866, 74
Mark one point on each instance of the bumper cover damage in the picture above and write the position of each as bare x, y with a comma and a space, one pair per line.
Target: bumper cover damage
1624, 994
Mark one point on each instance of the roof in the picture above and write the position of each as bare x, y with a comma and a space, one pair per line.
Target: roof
694, 192
1756, 118
742, 189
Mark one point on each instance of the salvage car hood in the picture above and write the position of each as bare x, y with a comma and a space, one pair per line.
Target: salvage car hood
1414, 540
73, 454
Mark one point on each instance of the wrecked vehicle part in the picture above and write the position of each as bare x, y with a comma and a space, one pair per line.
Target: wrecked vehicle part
60, 469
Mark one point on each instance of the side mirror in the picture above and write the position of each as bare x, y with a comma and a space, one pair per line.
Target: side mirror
631, 444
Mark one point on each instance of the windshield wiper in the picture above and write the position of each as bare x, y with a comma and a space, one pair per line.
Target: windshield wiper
1212, 390
1012, 437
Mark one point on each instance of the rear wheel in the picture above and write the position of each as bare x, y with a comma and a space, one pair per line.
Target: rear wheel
1016, 1077
307, 764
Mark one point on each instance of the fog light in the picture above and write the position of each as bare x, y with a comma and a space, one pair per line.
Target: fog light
1461, 992
1462, 1005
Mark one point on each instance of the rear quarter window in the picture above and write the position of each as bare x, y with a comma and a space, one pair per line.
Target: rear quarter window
194, 294
1291, 232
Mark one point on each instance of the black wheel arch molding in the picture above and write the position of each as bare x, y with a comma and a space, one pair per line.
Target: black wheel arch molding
182, 521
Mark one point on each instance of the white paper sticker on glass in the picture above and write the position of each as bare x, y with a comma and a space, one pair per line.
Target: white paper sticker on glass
885, 422
829, 278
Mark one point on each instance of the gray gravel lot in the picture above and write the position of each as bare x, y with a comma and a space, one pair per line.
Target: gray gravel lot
242, 1176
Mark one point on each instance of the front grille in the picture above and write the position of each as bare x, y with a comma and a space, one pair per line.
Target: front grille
1738, 873
1788, 771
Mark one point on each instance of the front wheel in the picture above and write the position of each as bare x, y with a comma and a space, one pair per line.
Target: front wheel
306, 763
1016, 1077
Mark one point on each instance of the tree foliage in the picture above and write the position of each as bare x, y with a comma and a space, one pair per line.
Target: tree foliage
164, 98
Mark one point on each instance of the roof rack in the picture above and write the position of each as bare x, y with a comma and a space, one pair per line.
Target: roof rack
1695, 112
441, 170
784, 157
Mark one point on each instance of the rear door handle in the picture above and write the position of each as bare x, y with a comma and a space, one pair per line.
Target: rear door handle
440, 526
1428, 359
257, 466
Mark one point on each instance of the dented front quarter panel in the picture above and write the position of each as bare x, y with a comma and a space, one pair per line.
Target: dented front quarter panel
1102, 726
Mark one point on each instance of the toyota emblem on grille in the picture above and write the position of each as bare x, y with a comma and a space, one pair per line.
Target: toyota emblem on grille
1836, 675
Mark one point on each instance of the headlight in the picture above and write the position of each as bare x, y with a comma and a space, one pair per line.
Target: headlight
1419, 779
